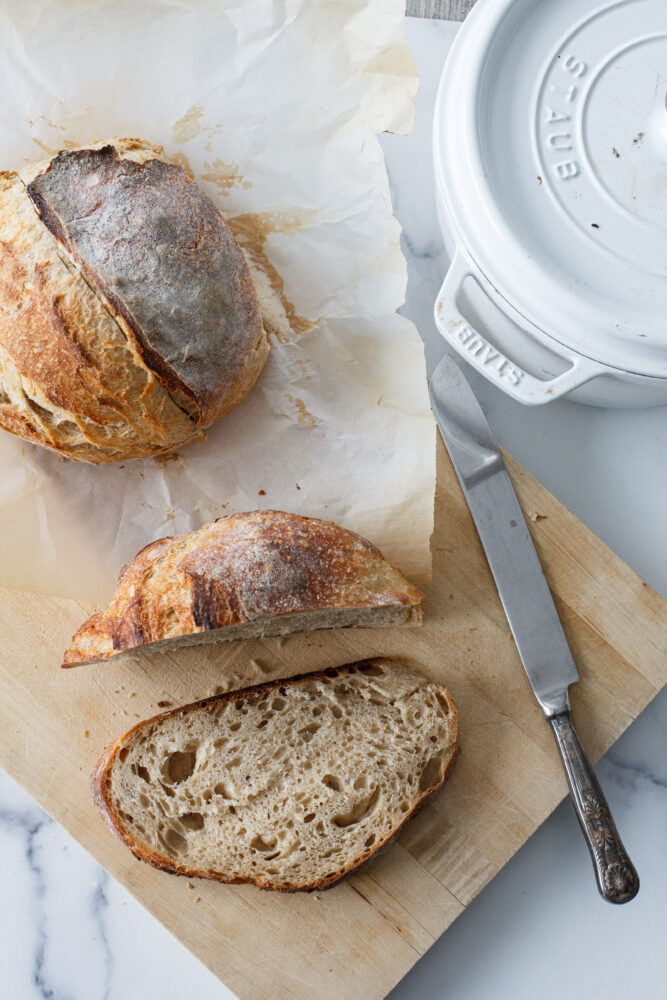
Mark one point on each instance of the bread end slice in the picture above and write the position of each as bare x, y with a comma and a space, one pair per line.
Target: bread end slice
247, 576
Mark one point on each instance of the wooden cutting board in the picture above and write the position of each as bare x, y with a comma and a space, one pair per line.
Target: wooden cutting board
358, 939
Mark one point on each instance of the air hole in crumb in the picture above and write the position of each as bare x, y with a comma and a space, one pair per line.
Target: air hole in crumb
235, 726
361, 782
443, 702
332, 782
369, 840
192, 821
225, 789
264, 844
337, 712
431, 773
143, 773
175, 840
309, 817
308, 732
179, 766
260, 725
123, 754
359, 811
278, 704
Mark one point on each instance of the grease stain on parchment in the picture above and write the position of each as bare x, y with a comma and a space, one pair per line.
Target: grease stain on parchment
170, 456
47, 149
225, 176
304, 418
251, 230
303, 364
189, 126
43, 118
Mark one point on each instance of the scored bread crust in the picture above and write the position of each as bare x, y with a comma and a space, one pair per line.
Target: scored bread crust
86, 373
69, 378
100, 780
239, 570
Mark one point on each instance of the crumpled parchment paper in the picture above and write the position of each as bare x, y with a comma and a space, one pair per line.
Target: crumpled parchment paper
274, 107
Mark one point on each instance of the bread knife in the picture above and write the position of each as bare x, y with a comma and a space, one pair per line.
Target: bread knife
530, 611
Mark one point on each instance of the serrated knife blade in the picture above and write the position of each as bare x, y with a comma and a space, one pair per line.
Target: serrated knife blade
530, 610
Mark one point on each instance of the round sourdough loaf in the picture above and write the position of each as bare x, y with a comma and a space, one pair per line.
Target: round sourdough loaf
128, 319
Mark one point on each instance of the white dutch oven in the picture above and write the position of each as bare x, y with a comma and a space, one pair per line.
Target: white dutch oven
551, 167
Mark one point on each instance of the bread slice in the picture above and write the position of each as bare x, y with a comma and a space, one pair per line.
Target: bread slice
246, 576
289, 785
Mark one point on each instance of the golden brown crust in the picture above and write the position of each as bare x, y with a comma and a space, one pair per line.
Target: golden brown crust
101, 775
80, 371
241, 568
69, 379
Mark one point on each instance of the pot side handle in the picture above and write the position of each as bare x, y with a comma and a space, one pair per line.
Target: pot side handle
489, 360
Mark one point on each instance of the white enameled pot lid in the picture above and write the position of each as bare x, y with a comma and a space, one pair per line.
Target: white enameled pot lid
551, 154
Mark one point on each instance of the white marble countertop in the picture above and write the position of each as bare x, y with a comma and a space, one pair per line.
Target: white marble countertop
68, 931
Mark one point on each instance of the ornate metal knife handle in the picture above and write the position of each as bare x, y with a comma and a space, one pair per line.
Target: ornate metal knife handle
617, 879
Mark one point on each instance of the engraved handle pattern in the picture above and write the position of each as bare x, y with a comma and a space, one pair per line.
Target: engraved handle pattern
617, 879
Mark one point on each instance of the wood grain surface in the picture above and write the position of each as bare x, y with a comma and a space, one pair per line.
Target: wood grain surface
358, 939
445, 10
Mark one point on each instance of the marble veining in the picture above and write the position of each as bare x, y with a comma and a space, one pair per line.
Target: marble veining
70, 932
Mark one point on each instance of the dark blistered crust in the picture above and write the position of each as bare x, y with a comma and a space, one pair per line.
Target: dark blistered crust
240, 569
101, 775
155, 247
